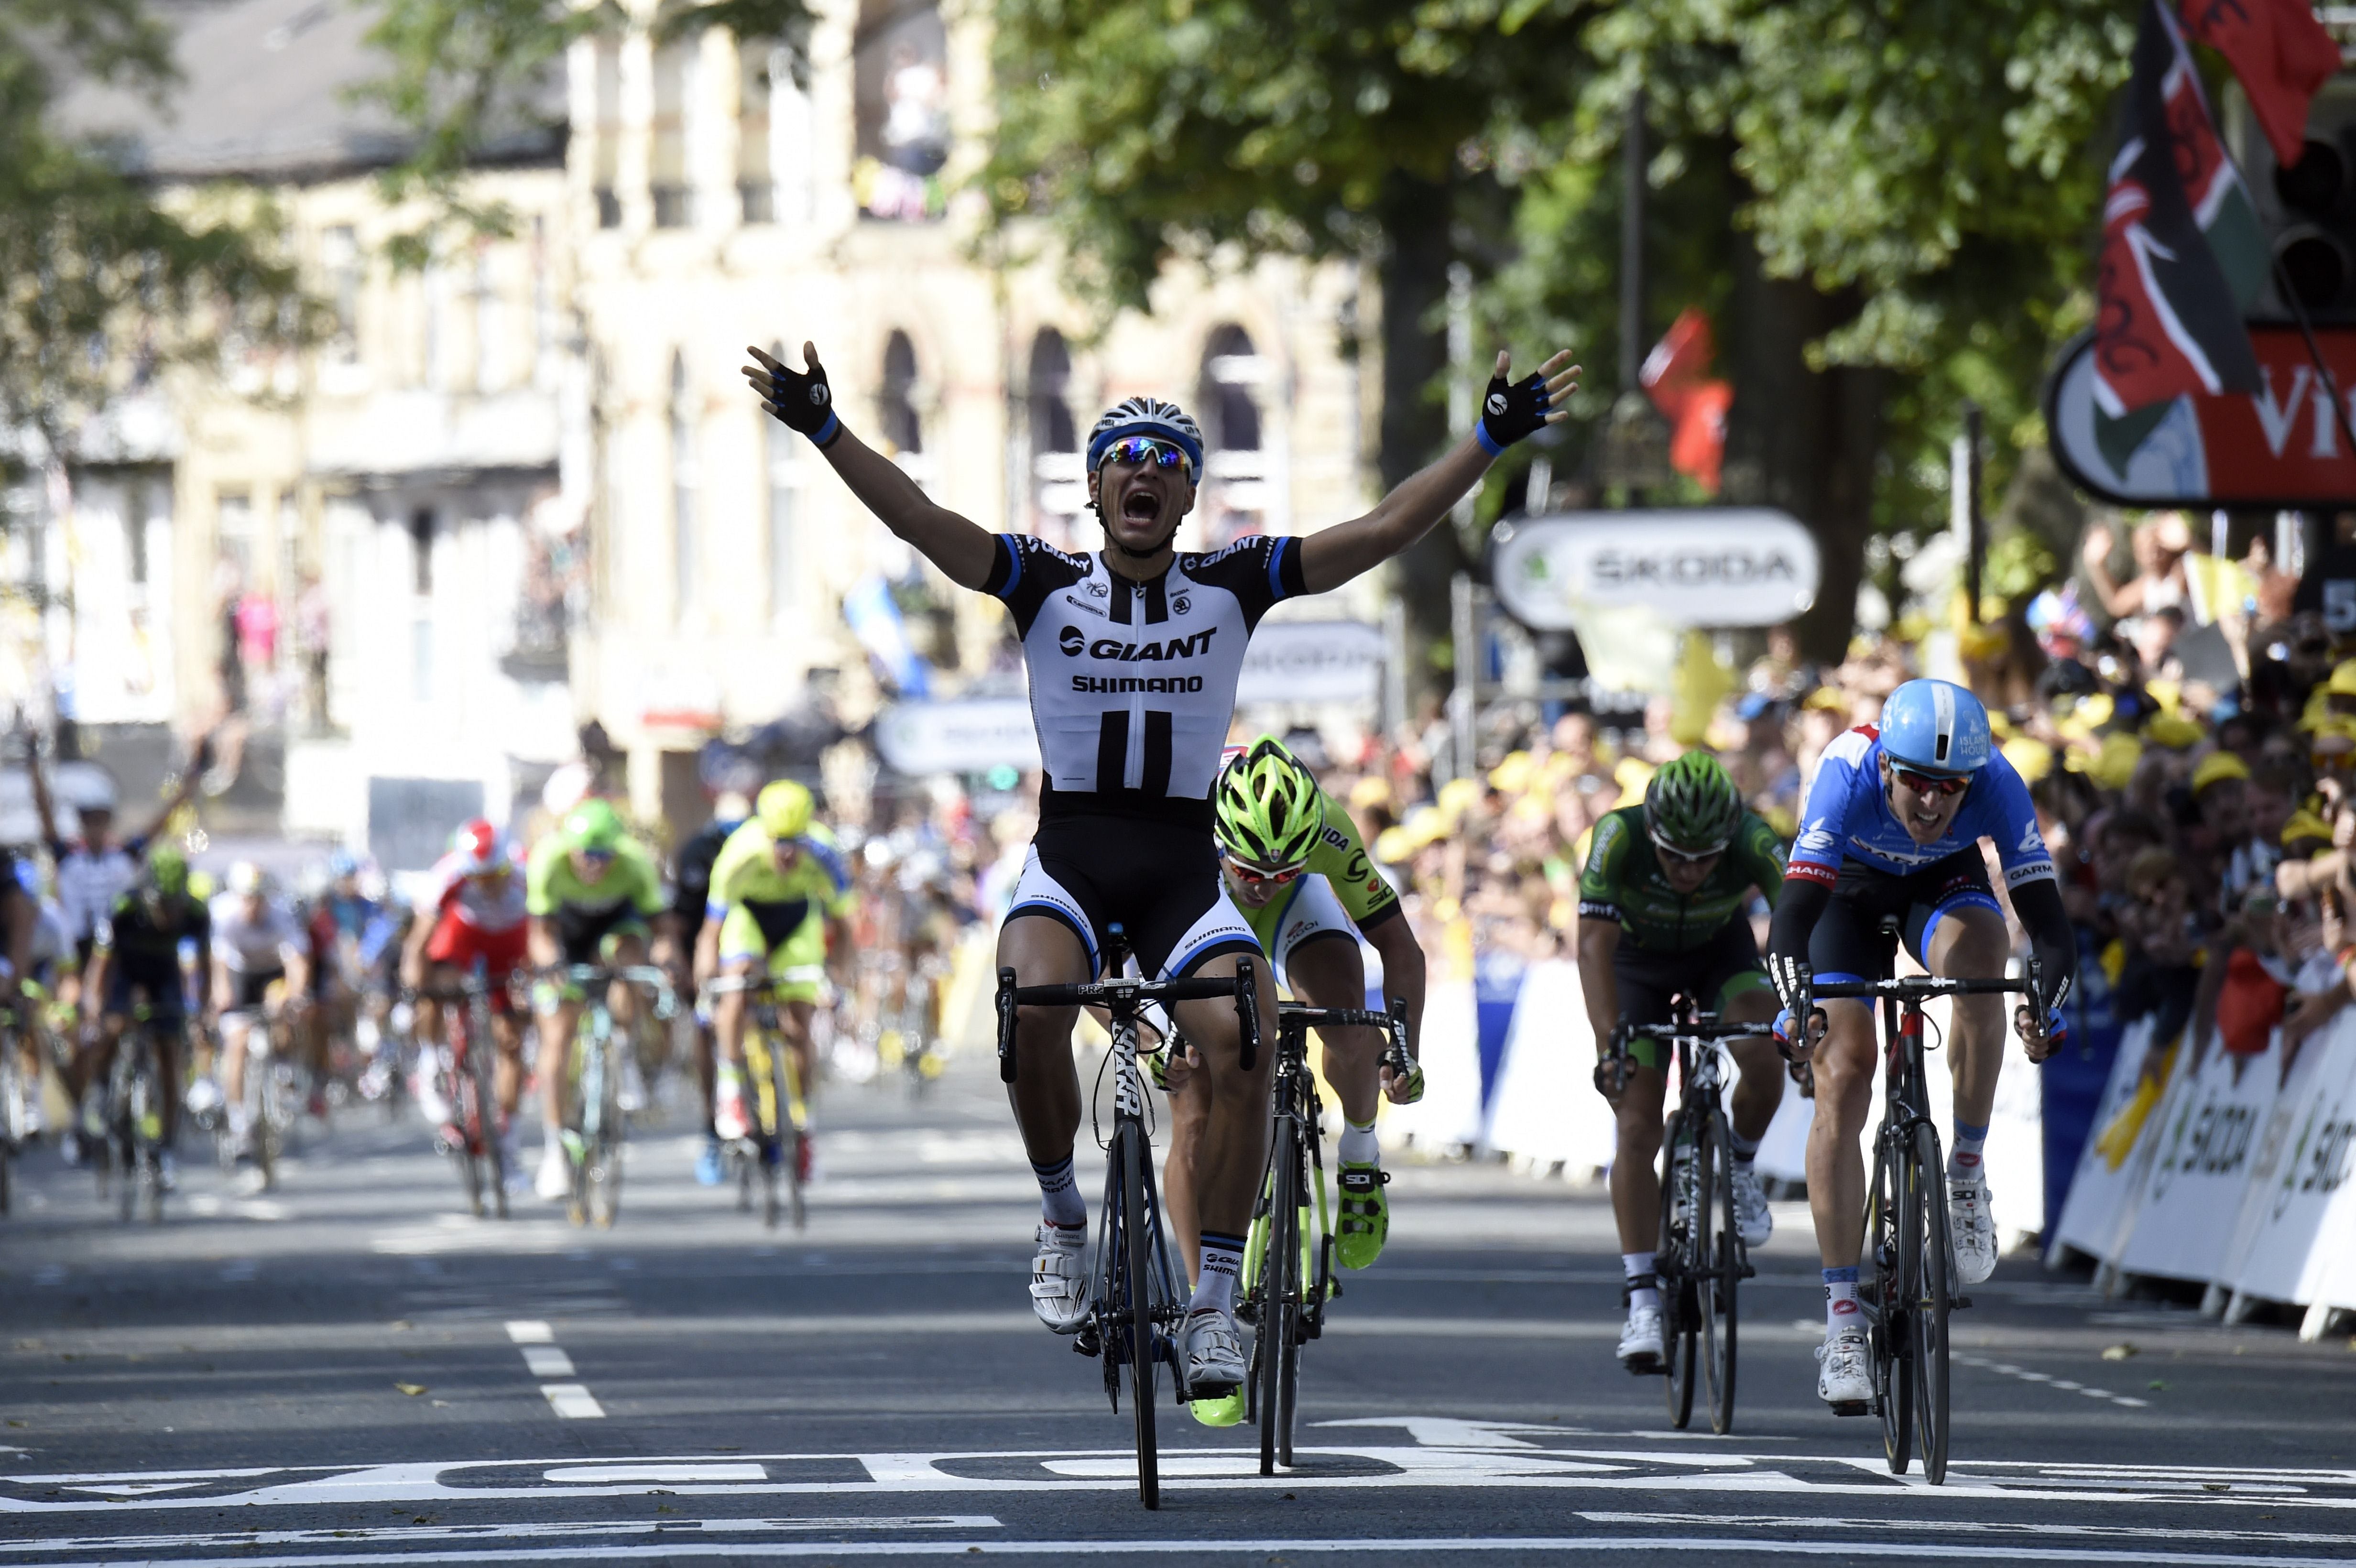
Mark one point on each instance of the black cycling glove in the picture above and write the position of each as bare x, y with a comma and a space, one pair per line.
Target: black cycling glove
1508, 413
806, 403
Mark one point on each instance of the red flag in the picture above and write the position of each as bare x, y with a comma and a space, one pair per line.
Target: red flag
1677, 377
2282, 54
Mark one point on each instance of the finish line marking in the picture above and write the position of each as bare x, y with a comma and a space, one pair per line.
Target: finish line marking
1688, 1545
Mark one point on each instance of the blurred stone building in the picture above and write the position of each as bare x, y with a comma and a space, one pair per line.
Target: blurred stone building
525, 488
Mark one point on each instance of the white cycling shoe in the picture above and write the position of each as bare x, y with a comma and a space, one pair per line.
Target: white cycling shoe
1214, 1349
1059, 1278
1971, 1226
1751, 1216
554, 1182
1843, 1379
1642, 1350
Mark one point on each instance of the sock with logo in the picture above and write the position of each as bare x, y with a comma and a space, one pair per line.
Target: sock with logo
1969, 1141
1745, 1150
1060, 1203
1223, 1268
1841, 1310
1358, 1144
1639, 1266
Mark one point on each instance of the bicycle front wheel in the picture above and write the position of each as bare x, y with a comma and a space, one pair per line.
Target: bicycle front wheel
1137, 1304
602, 1170
1719, 1245
1897, 1269
1280, 1300
1675, 1262
1930, 1298
487, 1157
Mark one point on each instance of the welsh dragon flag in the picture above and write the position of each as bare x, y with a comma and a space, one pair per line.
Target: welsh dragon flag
2183, 252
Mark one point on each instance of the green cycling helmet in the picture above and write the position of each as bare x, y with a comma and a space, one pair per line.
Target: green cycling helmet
1269, 809
167, 870
1691, 806
594, 826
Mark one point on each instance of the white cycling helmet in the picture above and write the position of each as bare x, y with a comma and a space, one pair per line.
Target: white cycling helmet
1149, 416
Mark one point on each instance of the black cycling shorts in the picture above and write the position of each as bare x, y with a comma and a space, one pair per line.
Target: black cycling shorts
1848, 943
159, 984
582, 932
1157, 880
1713, 974
250, 988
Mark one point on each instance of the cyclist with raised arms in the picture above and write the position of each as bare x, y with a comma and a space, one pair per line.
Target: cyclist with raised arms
1891, 827
1134, 652
1663, 913
1298, 871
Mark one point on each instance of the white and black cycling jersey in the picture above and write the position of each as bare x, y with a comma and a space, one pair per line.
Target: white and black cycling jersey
1133, 684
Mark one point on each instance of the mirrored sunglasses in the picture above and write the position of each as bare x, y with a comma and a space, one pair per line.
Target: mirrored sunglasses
1930, 783
1690, 856
1141, 450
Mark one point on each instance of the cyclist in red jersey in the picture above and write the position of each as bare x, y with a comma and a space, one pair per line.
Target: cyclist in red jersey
474, 908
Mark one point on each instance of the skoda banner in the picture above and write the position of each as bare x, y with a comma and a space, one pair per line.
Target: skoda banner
1707, 566
970, 736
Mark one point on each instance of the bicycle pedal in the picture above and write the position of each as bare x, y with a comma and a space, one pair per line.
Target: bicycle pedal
1957, 1303
1852, 1407
1086, 1343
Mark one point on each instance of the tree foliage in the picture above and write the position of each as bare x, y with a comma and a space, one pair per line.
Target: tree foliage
101, 279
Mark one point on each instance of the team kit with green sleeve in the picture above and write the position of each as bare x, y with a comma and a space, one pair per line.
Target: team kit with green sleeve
1694, 943
780, 915
624, 900
1338, 893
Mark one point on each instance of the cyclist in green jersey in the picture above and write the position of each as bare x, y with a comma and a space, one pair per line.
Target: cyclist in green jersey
1299, 873
1662, 913
594, 896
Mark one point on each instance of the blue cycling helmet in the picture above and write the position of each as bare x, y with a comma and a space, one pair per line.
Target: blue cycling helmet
1149, 416
1935, 727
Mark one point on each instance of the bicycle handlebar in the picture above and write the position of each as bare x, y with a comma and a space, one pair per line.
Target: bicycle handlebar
1395, 1056
1704, 1027
1922, 987
1123, 995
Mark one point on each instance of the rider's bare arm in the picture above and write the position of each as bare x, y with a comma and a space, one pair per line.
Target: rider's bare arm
1333, 556
1403, 969
1598, 943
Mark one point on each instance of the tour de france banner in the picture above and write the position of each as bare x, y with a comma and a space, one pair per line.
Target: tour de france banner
2227, 1171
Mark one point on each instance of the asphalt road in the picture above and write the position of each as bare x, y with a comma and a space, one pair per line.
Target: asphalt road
348, 1371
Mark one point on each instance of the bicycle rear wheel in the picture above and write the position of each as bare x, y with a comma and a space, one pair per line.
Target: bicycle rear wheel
792, 1134
1675, 1262
1136, 1300
1719, 1245
489, 1154
1897, 1268
1280, 1300
602, 1161
1928, 1338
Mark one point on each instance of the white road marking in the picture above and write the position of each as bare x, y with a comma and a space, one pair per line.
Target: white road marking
1873, 1546
1699, 1475
547, 1361
571, 1401
658, 1474
530, 1331
557, 1528
1969, 1526
2008, 1370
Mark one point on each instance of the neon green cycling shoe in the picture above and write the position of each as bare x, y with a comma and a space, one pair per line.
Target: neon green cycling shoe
1365, 1217
1224, 1411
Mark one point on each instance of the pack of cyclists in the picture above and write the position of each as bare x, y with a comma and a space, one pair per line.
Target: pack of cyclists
1203, 854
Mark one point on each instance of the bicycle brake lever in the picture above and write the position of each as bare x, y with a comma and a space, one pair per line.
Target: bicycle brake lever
1247, 1014
1006, 1026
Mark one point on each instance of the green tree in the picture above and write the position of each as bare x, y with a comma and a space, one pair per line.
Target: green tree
103, 277
1906, 196
1144, 130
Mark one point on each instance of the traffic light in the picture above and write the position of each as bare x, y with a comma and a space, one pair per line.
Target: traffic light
2309, 210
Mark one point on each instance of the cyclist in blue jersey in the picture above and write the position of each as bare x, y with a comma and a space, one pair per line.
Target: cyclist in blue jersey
1891, 827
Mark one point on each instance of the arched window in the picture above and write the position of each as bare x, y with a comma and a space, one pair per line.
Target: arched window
1230, 369
1059, 489
901, 426
683, 477
786, 475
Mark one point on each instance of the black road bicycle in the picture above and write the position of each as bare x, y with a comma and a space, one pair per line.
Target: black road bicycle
1906, 1237
1700, 1261
1286, 1293
597, 1131
1135, 1306
135, 1118
467, 1063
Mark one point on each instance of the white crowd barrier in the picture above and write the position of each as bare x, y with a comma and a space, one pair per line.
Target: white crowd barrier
2236, 1178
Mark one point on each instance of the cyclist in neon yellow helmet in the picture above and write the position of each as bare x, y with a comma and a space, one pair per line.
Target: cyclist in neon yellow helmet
1298, 870
594, 896
780, 901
